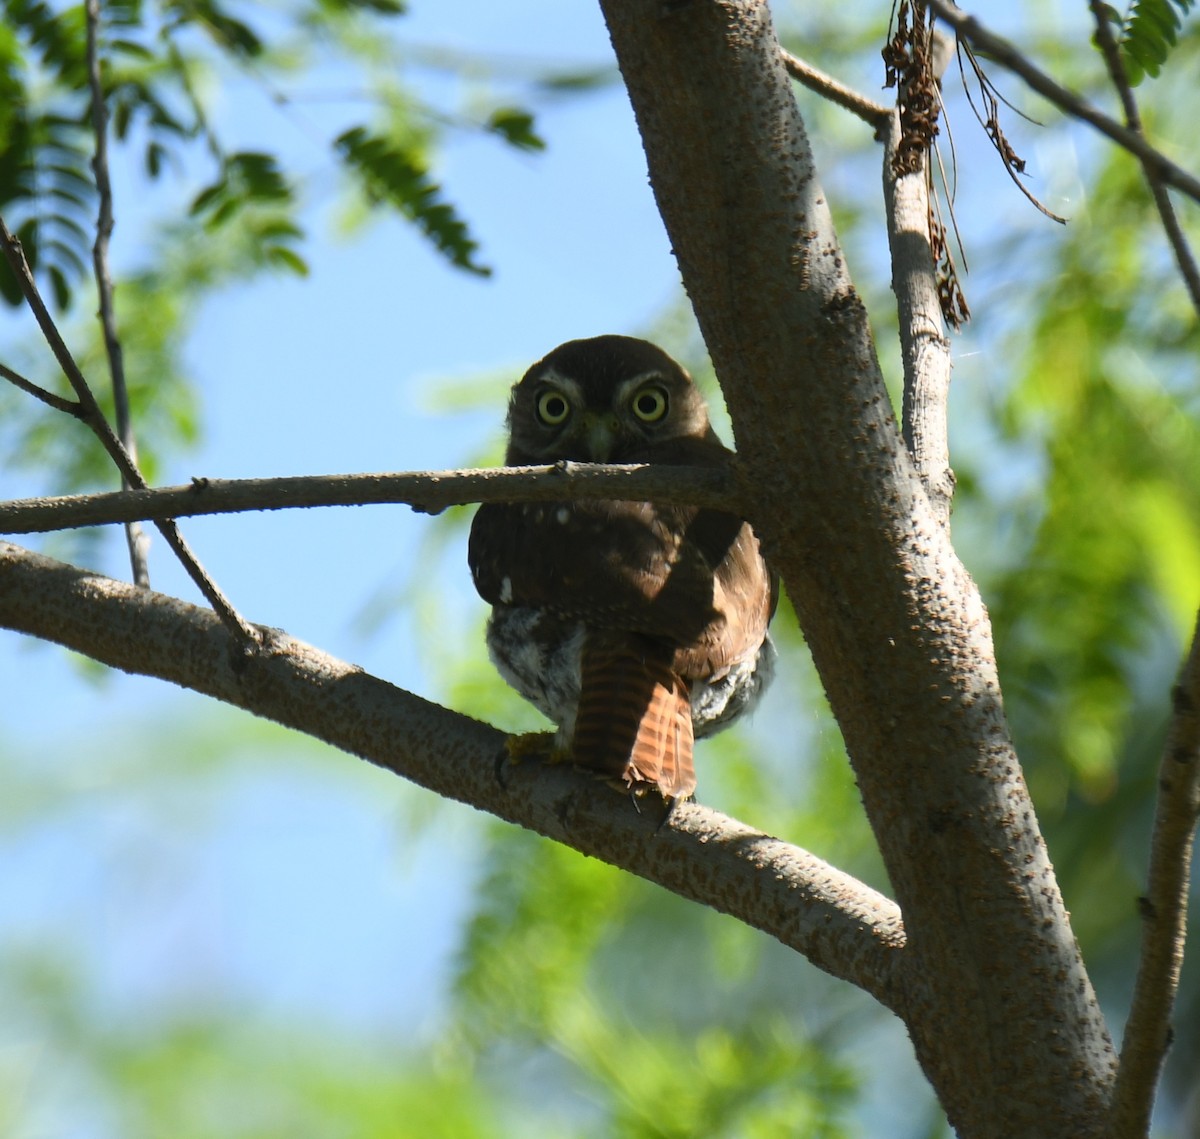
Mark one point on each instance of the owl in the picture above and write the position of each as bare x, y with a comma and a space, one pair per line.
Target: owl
635, 627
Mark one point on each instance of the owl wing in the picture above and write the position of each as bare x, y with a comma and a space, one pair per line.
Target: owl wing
693, 578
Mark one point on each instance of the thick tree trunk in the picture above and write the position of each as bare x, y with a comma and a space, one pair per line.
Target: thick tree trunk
992, 987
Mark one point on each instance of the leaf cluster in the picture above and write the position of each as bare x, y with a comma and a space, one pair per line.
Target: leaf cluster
1148, 32
667, 1020
394, 172
158, 62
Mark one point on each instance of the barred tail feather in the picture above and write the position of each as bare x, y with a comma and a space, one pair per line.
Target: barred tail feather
634, 721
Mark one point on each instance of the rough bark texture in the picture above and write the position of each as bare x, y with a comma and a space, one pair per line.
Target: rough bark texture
1000, 1009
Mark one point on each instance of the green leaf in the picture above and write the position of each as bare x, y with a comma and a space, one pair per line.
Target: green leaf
45, 177
228, 32
287, 259
62, 290
396, 174
131, 47
1150, 32
9, 289
207, 196
155, 154
383, 7
585, 79
516, 127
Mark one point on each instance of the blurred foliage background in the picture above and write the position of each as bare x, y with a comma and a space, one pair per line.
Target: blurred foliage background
573, 1000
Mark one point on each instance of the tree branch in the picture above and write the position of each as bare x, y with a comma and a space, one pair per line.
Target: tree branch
93, 416
837, 922
1133, 120
67, 406
135, 536
1066, 100
923, 343
1163, 909
426, 491
872, 113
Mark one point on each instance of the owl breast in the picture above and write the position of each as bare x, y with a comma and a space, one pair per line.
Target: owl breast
539, 654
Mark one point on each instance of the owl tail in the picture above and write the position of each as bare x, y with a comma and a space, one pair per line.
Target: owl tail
634, 721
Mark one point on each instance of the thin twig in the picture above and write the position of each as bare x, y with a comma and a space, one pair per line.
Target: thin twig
1163, 909
875, 114
91, 412
426, 491
67, 406
924, 346
1066, 100
92, 415
991, 97
135, 536
1133, 120
201, 126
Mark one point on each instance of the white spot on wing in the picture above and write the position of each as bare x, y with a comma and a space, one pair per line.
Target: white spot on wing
506, 594
563, 515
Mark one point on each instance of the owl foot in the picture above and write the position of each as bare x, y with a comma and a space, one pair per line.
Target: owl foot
517, 749
641, 791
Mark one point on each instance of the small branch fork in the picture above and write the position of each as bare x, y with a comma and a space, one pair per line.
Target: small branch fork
925, 349
1163, 909
86, 409
1003, 53
872, 113
135, 536
1133, 120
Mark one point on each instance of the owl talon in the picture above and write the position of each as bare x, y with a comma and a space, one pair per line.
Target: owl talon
640, 789
636, 789
521, 747
672, 802
527, 745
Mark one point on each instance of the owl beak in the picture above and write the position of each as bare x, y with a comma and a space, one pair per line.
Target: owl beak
601, 434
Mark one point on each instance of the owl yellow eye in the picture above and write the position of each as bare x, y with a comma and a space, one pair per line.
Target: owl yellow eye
650, 404
553, 408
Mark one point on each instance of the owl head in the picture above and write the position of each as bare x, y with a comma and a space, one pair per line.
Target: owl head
610, 399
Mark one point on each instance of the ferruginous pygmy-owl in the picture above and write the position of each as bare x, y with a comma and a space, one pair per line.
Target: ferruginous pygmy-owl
633, 626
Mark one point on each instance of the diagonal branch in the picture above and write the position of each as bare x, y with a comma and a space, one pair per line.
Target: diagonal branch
837, 922
1005, 54
427, 491
91, 414
1164, 908
1133, 120
872, 113
67, 406
134, 535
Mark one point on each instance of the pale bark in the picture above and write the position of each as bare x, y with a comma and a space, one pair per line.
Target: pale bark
992, 987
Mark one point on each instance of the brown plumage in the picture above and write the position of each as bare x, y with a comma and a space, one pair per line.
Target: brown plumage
634, 626
634, 719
